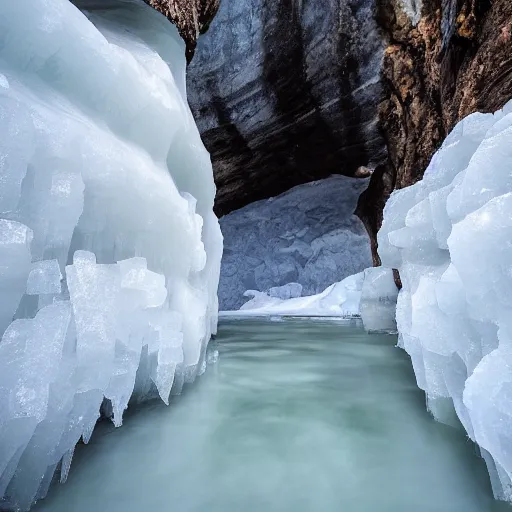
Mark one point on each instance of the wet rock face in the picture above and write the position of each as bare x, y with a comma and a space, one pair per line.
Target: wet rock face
457, 59
192, 17
285, 92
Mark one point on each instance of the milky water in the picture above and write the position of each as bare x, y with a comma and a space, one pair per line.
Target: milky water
296, 415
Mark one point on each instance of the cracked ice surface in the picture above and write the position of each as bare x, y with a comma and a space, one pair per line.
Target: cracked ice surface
109, 248
308, 236
449, 235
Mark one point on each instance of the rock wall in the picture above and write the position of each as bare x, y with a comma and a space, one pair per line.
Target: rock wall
285, 92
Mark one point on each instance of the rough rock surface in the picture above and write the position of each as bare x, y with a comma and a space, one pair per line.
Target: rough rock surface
192, 17
285, 92
457, 59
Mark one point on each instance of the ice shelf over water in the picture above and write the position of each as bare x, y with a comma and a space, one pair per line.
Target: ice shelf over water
109, 248
308, 235
450, 236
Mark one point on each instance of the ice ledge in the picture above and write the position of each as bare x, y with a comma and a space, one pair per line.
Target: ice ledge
449, 237
370, 296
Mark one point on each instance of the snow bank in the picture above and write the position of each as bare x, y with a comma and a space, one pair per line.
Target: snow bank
109, 248
371, 294
340, 299
450, 236
308, 235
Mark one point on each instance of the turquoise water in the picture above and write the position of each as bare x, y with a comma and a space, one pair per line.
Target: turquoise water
296, 415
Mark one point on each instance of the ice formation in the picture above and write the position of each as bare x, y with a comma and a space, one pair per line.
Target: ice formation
450, 236
340, 300
109, 248
308, 235
378, 300
371, 295
413, 10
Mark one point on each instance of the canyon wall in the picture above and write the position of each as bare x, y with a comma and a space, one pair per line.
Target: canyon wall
287, 92
450, 59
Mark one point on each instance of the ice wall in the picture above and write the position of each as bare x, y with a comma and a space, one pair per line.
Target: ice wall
450, 236
308, 235
109, 248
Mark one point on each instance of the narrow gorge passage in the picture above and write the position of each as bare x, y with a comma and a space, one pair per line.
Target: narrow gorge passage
314, 174
296, 415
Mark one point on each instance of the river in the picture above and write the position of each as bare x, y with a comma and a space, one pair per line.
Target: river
296, 415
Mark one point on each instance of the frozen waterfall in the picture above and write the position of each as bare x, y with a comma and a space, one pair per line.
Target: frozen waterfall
109, 248
450, 235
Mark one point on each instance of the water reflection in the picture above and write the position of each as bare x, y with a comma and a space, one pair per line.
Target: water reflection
296, 415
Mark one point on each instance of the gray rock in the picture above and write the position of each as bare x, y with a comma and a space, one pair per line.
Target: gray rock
286, 92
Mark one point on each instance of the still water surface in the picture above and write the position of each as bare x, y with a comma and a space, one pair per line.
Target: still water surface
297, 415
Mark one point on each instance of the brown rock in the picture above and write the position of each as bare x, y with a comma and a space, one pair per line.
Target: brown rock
192, 17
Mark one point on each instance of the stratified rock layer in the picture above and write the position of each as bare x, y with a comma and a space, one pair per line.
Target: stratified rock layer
287, 92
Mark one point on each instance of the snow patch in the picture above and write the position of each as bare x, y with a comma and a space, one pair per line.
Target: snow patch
4, 82
413, 10
370, 295
340, 299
